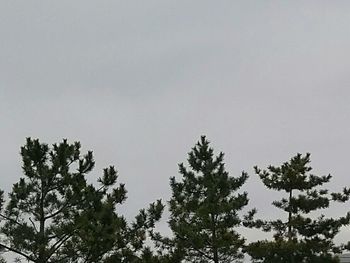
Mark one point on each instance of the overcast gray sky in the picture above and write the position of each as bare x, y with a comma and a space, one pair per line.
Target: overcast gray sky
138, 82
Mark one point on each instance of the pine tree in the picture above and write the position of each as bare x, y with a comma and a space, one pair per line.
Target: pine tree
55, 215
204, 210
300, 237
2, 260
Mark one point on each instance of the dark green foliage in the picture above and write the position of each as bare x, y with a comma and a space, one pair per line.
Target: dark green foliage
204, 210
299, 237
54, 215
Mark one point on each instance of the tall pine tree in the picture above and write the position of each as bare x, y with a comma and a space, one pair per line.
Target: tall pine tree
55, 215
299, 237
204, 209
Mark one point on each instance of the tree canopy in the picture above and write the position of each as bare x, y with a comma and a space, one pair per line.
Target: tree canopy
300, 237
204, 209
55, 215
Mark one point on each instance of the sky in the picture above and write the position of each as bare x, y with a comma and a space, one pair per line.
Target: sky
138, 82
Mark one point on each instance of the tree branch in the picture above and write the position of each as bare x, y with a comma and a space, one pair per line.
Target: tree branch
17, 252
11, 219
58, 244
36, 230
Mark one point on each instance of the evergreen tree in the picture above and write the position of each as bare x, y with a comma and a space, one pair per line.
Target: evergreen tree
2, 260
204, 210
301, 237
55, 215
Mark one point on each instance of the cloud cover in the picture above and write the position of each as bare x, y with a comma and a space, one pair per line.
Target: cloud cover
139, 81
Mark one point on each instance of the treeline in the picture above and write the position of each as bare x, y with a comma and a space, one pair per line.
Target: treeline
52, 214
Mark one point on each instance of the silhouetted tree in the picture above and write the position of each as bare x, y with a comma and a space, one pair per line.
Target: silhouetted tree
300, 237
204, 210
55, 215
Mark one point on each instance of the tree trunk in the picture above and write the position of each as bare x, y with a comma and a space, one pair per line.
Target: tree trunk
41, 234
216, 256
290, 234
215, 249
